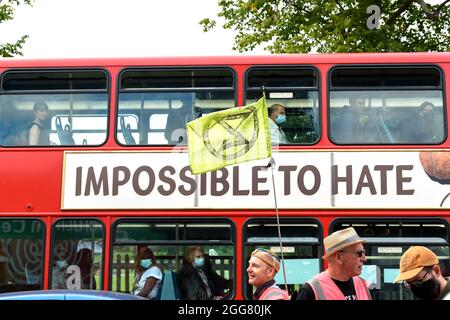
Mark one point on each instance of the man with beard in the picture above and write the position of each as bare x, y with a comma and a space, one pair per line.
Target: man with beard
420, 272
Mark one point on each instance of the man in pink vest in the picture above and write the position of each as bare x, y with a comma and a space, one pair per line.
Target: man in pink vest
263, 266
346, 255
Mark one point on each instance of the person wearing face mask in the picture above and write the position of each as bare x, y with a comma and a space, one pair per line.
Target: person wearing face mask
148, 275
59, 276
420, 272
277, 117
193, 281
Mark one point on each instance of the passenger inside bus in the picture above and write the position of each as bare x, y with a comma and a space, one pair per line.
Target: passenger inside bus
148, 274
423, 126
177, 118
193, 280
431, 131
277, 117
358, 123
84, 261
59, 275
39, 129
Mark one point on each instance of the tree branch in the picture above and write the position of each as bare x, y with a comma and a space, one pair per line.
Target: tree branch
339, 4
429, 14
399, 11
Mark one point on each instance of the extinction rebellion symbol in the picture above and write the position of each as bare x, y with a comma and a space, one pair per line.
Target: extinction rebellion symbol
235, 144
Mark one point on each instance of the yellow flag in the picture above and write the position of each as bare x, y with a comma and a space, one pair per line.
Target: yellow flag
228, 137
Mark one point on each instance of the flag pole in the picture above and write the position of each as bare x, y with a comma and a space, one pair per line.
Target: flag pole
271, 164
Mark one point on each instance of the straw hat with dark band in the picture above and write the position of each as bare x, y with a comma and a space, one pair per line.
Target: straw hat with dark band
339, 240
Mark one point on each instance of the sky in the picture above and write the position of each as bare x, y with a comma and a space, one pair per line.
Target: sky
115, 28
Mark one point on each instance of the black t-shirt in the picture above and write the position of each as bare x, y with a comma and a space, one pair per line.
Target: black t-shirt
347, 288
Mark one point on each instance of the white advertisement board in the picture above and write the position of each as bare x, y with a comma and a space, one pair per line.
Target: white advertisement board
303, 179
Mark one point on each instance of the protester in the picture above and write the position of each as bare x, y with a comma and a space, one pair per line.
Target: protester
420, 272
263, 266
340, 281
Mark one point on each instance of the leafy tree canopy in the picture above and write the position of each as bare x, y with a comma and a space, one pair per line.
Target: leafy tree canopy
7, 13
293, 26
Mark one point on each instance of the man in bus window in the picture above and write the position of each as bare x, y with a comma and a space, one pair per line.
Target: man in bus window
420, 272
340, 281
356, 123
263, 266
277, 117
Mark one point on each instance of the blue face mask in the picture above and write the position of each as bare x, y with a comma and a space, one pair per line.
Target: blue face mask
199, 262
280, 119
145, 263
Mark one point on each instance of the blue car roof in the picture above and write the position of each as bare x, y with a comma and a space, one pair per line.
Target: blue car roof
68, 295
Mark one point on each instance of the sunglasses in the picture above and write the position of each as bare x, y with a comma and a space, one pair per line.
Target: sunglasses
358, 253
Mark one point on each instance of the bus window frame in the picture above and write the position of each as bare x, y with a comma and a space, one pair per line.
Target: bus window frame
183, 219
44, 244
106, 72
276, 89
272, 220
441, 87
52, 239
119, 90
395, 220
106, 91
392, 220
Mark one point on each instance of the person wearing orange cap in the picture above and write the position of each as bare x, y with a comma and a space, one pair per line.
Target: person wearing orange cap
263, 266
420, 272
346, 255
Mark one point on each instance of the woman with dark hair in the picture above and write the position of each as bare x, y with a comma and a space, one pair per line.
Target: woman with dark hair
38, 131
148, 274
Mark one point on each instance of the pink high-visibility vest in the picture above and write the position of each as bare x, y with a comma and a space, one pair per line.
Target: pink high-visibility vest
274, 293
325, 289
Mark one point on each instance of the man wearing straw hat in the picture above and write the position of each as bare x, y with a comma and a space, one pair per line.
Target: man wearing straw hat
263, 266
345, 253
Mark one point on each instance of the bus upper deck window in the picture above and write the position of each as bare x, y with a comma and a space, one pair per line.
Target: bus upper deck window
292, 99
75, 101
386, 105
163, 100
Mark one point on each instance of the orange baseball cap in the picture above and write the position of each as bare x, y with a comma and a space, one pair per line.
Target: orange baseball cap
414, 260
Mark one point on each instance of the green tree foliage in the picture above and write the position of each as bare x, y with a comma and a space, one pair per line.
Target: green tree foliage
289, 26
7, 13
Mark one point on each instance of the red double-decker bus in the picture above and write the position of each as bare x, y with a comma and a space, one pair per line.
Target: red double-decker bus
94, 166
